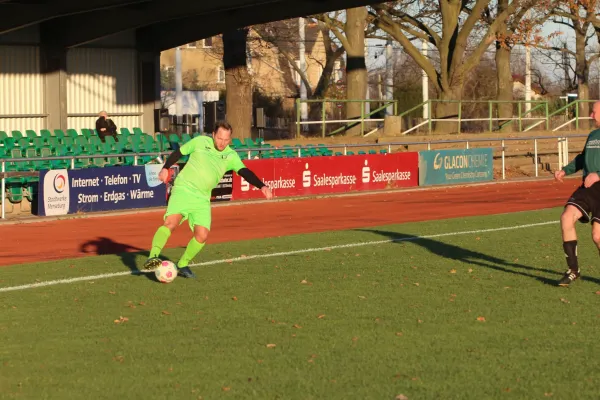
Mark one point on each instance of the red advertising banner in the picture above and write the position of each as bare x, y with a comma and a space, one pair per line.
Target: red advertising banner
320, 175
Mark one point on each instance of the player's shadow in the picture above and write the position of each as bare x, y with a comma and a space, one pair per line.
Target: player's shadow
460, 254
105, 246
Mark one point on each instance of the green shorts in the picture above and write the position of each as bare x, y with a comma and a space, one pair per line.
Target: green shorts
193, 207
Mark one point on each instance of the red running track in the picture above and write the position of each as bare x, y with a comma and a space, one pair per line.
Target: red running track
59, 239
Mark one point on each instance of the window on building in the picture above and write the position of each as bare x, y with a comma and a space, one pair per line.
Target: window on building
221, 75
208, 42
191, 45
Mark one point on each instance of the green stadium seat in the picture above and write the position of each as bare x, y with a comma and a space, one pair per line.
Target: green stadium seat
72, 133
372, 151
81, 140
87, 133
362, 152
185, 138
9, 144
23, 143
96, 141
137, 131
125, 132
45, 133
339, 153
237, 144
14, 193
31, 134
59, 134
16, 135
3, 136
383, 151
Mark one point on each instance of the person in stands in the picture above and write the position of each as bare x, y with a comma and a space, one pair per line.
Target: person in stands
106, 127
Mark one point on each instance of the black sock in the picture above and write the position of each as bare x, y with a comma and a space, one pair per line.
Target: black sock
571, 254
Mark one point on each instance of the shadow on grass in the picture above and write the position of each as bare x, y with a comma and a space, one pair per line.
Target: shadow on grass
105, 246
460, 254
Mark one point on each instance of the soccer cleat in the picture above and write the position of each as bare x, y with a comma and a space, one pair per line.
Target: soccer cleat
569, 277
186, 272
152, 263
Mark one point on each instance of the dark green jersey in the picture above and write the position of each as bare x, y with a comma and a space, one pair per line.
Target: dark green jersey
589, 159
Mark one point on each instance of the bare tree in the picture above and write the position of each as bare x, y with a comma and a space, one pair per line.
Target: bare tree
581, 17
351, 35
455, 28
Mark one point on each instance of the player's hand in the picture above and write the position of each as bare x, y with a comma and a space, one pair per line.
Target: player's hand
559, 175
267, 192
591, 179
163, 175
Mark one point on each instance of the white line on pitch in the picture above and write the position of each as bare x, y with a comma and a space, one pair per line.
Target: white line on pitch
269, 255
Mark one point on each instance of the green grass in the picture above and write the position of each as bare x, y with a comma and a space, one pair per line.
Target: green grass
395, 318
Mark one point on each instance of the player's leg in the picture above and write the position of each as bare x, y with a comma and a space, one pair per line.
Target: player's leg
175, 214
577, 209
194, 247
163, 233
159, 240
200, 220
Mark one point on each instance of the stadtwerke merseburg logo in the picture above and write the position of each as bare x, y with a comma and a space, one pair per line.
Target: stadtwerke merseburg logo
59, 183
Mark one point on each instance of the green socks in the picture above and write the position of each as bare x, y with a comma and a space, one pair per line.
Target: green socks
192, 249
160, 239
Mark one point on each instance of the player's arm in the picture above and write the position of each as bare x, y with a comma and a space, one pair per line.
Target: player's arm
251, 178
184, 150
163, 176
575, 165
238, 166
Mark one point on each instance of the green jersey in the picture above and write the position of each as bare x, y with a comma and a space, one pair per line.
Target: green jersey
589, 159
206, 165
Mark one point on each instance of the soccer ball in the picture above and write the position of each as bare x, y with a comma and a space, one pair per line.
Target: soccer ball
166, 272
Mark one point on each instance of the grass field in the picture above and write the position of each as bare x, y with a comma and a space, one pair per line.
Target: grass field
451, 315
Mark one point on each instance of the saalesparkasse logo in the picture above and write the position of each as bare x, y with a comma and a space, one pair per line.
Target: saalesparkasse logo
366, 173
306, 176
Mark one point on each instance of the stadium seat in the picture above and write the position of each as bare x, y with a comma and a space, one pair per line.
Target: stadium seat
16, 135
125, 132
31, 134
72, 133
137, 131
45, 133
3, 136
59, 134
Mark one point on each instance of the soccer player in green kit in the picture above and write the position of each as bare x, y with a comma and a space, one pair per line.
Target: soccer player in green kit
209, 159
584, 203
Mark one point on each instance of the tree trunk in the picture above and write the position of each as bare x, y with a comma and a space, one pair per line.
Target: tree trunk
446, 109
504, 87
238, 83
504, 81
582, 72
356, 68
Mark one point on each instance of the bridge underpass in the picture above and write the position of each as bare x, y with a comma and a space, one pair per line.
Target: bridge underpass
61, 62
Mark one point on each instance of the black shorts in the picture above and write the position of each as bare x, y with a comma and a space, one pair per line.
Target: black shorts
587, 200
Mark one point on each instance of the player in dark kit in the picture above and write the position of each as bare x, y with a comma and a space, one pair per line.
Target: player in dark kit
584, 203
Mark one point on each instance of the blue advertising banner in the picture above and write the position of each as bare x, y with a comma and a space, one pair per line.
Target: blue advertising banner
438, 167
65, 191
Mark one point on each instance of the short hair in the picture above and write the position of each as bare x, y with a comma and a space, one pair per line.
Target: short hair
223, 124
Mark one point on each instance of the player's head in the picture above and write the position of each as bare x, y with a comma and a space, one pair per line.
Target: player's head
222, 135
103, 114
595, 115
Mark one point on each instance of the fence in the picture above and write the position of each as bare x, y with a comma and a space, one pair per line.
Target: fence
365, 116
529, 115
562, 151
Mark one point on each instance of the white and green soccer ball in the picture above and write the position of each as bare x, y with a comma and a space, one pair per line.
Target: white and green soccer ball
166, 272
